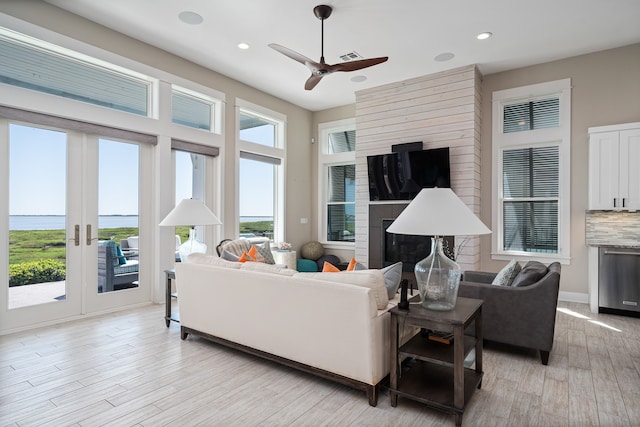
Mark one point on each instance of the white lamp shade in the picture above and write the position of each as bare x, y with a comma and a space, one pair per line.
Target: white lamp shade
190, 212
437, 212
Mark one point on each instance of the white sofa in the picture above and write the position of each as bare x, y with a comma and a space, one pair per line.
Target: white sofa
317, 322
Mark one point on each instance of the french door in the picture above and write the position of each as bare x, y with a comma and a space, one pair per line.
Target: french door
67, 198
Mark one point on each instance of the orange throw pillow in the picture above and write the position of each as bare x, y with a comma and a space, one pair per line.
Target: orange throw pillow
252, 256
352, 264
327, 267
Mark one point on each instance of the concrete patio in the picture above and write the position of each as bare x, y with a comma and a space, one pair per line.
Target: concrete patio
40, 293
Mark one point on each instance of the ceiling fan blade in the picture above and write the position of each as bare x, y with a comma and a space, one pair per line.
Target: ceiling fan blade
358, 65
292, 54
313, 81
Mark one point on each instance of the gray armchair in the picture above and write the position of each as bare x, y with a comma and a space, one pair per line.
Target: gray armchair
521, 316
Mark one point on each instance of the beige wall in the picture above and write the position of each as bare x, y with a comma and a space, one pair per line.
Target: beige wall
299, 121
605, 90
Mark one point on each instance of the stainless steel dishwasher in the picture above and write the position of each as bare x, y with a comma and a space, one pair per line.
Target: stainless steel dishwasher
619, 281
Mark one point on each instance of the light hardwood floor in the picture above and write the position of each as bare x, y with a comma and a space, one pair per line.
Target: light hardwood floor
129, 369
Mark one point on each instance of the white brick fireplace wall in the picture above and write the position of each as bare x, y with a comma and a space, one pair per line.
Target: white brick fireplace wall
441, 110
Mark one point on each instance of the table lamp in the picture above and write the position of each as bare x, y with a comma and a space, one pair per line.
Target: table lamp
190, 212
437, 212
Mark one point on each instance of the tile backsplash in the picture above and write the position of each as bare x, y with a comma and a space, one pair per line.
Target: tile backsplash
608, 228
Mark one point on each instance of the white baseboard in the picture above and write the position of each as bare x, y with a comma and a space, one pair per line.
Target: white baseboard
573, 297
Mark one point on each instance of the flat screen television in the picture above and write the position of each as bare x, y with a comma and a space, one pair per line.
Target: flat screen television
401, 176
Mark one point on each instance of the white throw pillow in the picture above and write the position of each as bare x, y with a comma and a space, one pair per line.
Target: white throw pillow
507, 274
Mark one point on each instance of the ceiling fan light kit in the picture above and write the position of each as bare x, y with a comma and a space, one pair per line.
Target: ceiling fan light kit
321, 69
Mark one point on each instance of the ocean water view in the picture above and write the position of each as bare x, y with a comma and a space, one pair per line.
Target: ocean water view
57, 222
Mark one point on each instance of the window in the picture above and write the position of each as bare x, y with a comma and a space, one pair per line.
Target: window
39, 66
337, 181
261, 158
190, 109
531, 149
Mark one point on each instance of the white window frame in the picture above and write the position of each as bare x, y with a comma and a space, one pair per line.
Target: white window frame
278, 152
326, 160
559, 136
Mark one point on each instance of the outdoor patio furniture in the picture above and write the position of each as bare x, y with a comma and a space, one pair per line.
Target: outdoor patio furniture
114, 270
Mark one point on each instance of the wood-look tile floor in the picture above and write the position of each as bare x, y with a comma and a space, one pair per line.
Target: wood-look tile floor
128, 369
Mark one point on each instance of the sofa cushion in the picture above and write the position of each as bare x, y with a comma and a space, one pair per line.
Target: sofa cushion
506, 276
530, 274
130, 267
373, 279
198, 258
268, 268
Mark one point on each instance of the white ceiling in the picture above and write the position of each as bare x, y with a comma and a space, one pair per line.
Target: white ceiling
411, 32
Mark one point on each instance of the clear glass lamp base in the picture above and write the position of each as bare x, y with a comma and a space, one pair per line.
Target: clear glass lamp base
191, 246
438, 279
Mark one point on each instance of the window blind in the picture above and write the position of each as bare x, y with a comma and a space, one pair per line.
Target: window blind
531, 115
342, 142
50, 72
190, 111
530, 199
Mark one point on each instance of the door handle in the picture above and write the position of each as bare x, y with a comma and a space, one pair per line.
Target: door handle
76, 235
89, 238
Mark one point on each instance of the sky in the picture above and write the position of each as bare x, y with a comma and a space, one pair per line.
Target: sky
37, 175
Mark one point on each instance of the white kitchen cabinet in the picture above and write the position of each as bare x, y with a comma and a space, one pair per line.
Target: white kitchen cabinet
614, 167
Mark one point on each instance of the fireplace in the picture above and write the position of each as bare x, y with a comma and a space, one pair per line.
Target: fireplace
388, 248
407, 248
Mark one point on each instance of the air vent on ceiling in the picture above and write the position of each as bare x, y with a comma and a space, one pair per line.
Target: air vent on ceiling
350, 56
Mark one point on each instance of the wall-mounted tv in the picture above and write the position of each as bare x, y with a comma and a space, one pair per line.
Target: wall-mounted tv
401, 176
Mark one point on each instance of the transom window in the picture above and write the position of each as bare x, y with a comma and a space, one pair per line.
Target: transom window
36, 65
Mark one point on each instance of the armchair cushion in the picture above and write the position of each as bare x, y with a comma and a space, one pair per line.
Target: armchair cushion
530, 274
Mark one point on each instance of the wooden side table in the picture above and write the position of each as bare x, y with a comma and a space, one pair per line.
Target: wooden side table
438, 377
171, 275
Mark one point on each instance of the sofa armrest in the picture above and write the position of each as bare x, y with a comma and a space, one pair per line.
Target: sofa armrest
478, 276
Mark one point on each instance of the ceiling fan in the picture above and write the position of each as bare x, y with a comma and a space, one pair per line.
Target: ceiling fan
321, 69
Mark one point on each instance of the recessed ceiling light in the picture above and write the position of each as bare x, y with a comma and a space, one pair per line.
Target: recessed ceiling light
243, 46
358, 79
191, 18
484, 36
443, 57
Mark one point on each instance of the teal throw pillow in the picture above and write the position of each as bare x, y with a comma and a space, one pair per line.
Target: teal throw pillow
121, 258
